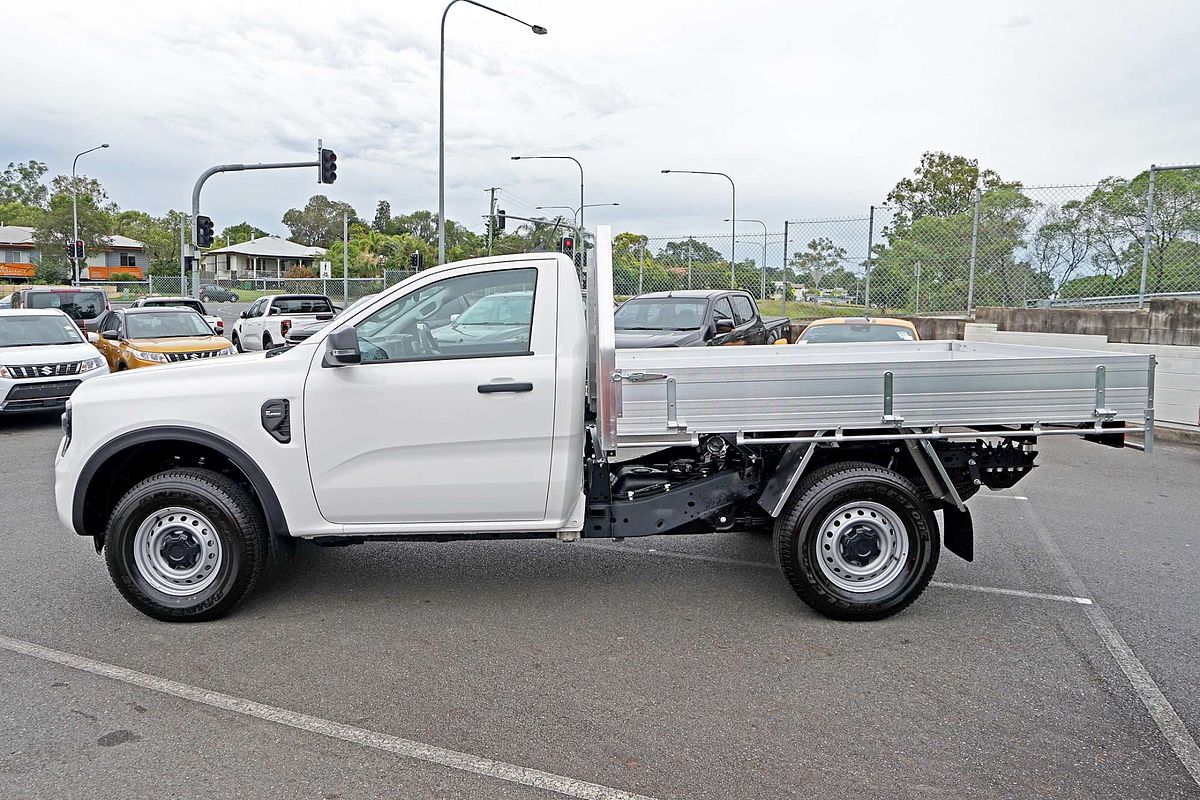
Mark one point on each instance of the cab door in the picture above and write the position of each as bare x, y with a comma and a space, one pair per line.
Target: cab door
108, 348
437, 426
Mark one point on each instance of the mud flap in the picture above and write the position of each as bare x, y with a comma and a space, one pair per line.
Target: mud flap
958, 532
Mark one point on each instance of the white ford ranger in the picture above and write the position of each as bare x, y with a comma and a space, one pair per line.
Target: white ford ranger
191, 478
266, 323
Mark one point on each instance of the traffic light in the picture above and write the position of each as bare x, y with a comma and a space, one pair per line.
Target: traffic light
416, 260
79, 248
328, 166
500, 212
204, 231
566, 245
70, 249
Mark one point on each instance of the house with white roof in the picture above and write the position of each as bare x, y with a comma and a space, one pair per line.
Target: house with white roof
264, 257
19, 256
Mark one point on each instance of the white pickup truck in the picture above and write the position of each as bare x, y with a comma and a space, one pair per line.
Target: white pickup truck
191, 479
266, 323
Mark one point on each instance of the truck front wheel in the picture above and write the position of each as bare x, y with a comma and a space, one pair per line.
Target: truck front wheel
857, 542
185, 545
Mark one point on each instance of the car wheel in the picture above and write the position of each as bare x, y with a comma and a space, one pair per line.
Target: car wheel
237, 344
267, 341
186, 545
233, 298
204, 298
857, 541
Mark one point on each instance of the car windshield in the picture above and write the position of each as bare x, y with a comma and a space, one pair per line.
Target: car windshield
194, 305
856, 332
166, 324
660, 314
77, 305
27, 330
499, 309
304, 305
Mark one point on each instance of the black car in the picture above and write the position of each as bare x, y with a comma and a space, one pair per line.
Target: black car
695, 318
210, 292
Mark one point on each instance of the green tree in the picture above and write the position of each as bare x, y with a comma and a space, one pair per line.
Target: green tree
160, 235
383, 216
55, 229
16, 213
942, 185
319, 223
819, 259
22, 183
242, 232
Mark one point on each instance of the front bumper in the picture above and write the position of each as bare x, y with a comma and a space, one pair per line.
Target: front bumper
41, 395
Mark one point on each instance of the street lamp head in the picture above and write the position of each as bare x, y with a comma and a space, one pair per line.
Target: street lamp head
516, 158
539, 30
104, 145
665, 171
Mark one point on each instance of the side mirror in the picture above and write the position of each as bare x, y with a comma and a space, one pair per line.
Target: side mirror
112, 336
454, 317
274, 311
93, 337
723, 325
243, 314
341, 348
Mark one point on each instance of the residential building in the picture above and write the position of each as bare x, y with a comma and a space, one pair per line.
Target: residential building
264, 257
19, 256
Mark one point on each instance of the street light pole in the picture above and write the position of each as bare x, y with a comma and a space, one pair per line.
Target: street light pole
75, 213
579, 214
762, 291
732, 220
538, 29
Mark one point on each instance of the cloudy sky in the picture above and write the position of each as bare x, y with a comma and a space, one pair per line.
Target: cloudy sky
815, 108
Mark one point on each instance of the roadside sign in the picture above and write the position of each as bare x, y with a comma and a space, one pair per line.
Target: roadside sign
326, 270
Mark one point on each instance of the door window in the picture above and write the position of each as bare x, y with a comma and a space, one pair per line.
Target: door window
496, 319
722, 310
743, 311
257, 308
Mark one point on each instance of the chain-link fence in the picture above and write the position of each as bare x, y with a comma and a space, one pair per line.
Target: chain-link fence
1007, 245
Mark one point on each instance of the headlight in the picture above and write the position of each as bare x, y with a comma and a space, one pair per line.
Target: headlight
228, 351
4, 373
66, 427
91, 364
144, 356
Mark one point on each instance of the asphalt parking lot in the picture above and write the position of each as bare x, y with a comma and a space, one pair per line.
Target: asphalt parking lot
664, 668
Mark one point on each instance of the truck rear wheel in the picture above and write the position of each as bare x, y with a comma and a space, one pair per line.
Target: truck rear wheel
857, 542
185, 545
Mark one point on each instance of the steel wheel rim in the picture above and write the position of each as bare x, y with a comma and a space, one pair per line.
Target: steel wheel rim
862, 546
177, 551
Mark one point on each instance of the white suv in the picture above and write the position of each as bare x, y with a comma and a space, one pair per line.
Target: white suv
43, 358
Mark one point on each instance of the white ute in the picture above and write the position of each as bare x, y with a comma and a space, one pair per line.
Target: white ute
191, 479
266, 323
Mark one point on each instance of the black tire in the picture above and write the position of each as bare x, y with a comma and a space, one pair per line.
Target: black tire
122, 366
233, 298
267, 342
237, 344
204, 298
237, 528
860, 487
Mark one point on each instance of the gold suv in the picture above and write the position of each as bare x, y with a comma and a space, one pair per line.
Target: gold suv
142, 337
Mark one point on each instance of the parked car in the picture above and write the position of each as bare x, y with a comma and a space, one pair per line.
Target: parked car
43, 359
84, 304
190, 481
216, 323
492, 318
695, 318
299, 333
6, 301
266, 324
145, 337
858, 329
212, 293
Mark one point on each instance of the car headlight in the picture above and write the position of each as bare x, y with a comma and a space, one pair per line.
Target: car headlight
142, 355
91, 364
4, 373
228, 351
66, 427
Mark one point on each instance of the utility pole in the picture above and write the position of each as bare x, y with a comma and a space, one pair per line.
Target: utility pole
183, 254
345, 258
491, 222
974, 250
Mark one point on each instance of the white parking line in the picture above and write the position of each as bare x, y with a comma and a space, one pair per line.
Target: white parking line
967, 587
334, 730
1160, 708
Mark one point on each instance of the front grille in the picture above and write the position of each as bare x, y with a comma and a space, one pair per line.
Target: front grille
45, 370
50, 390
196, 356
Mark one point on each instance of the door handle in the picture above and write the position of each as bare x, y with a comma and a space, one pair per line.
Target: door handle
494, 388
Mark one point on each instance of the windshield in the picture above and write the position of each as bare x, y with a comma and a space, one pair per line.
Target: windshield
165, 324
304, 305
661, 314
194, 305
25, 331
861, 332
77, 305
499, 309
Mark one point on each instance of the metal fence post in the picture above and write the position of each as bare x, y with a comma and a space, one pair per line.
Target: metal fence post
641, 265
870, 243
787, 279
974, 250
917, 302
689, 248
1146, 239
183, 255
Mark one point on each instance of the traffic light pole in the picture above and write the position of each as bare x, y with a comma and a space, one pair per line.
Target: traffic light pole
204, 176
